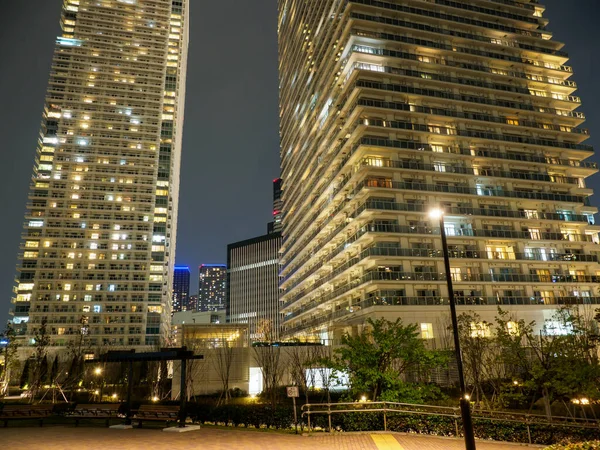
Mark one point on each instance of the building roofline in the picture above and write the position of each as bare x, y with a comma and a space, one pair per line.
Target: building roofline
255, 240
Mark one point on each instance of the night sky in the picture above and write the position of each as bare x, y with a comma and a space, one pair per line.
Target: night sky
231, 141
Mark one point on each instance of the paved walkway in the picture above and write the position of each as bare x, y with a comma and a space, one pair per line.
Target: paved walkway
60, 437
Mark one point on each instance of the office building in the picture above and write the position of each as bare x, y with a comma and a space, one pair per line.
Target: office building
181, 289
99, 237
253, 285
212, 279
389, 109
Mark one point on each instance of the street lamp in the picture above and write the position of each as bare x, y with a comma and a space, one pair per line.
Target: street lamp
465, 407
98, 370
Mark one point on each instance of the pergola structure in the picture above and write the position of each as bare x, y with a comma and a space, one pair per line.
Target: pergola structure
166, 354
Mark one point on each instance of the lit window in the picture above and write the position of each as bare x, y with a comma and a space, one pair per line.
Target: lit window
427, 331
480, 329
512, 328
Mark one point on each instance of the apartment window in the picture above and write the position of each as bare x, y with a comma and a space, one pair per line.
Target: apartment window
512, 328
535, 234
480, 329
426, 330
557, 328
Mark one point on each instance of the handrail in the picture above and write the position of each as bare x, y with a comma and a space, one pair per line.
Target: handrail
442, 411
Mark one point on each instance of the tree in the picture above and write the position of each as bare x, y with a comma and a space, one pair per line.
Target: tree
77, 347
380, 359
54, 371
42, 340
476, 348
268, 357
43, 375
25, 374
222, 360
10, 358
303, 361
560, 362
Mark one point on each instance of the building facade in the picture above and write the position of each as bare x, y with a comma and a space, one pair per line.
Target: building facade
389, 109
212, 280
277, 206
253, 286
99, 238
181, 289
193, 303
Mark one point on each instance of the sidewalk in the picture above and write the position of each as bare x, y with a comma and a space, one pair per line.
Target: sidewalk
96, 438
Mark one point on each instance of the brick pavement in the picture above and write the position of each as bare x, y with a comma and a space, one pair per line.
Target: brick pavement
96, 438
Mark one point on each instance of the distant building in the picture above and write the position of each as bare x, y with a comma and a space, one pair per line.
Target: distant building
253, 285
211, 287
277, 206
192, 303
181, 288
198, 317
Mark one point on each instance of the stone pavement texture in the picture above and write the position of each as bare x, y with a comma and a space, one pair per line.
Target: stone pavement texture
95, 438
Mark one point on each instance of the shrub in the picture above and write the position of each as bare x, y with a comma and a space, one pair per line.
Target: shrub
592, 445
257, 415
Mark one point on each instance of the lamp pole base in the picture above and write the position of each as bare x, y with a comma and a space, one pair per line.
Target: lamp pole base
465, 412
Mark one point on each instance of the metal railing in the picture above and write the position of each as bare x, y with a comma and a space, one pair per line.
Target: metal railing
386, 408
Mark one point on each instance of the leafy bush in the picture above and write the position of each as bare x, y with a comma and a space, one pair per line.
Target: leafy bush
256, 415
595, 445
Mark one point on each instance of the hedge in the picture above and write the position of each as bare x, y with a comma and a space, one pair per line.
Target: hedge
591, 445
541, 433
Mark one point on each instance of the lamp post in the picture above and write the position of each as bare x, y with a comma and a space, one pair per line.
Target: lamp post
98, 372
465, 406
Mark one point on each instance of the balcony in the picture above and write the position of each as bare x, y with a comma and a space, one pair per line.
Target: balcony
395, 301
481, 172
463, 189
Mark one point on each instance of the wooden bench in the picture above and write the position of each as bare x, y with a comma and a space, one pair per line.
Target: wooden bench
102, 411
26, 412
157, 413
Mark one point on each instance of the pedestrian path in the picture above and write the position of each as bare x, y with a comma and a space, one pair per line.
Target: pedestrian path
98, 438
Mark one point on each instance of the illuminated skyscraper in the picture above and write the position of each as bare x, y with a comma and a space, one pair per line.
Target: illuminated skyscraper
212, 280
99, 241
391, 108
181, 289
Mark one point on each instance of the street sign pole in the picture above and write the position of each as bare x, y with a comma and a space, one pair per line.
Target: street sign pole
295, 415
292, 391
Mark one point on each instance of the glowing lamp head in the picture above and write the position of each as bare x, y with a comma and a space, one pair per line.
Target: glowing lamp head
436, 213
114, 396
363, 398
98, 370
467, 397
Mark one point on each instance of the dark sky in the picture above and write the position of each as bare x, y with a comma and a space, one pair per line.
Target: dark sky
231, 142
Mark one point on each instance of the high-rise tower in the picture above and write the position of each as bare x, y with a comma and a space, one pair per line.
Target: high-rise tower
181, 289
389, 108
212, 281
100, 231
